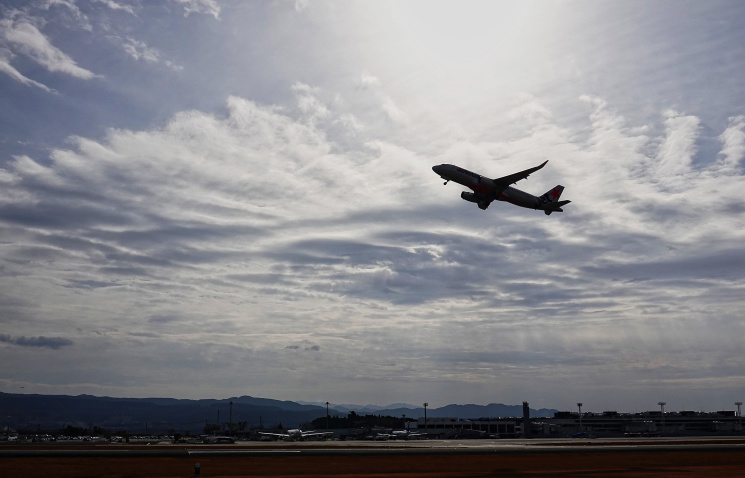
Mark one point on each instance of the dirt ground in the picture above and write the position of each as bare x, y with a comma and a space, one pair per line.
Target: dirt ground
668, 464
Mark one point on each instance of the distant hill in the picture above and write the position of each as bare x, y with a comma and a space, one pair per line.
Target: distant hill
363, 409
136, 415
493, 410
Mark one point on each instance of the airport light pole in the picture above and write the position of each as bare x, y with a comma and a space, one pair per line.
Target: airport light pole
662, 410
739, 414
327, 415
579, 407
425, 418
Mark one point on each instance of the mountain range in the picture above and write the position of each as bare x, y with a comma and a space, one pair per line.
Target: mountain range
138, 415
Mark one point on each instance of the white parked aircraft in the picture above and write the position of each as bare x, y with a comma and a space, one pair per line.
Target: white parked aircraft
486, 190
296, 434
405, 434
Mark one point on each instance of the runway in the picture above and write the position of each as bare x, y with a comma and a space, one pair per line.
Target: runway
640, 457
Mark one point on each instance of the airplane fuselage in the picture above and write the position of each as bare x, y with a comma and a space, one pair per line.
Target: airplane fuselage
295, 434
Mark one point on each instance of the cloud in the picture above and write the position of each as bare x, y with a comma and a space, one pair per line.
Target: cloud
70, 14
140, 51
367, 80
7, 68
46, 342
677, 151
733, 143
117, 6
393, 111
207, 7
386, 103
201, 183
28, 40
307, 348
309, 103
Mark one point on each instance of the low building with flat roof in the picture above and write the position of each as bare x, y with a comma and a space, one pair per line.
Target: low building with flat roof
605, 424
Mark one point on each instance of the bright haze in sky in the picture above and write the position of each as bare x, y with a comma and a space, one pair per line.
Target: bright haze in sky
206, 198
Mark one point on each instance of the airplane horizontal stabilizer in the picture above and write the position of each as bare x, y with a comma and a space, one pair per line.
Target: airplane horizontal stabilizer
554, 207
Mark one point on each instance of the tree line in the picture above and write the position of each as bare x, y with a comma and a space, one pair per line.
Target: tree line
354, 420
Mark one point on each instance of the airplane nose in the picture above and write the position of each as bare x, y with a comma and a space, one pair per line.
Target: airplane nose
437, 168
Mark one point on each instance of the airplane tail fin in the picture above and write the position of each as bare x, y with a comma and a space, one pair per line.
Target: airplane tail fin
554, 194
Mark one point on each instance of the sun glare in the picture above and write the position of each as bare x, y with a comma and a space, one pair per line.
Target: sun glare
464, 33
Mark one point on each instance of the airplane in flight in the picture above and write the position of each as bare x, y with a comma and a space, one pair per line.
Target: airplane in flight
296, 434
486, 190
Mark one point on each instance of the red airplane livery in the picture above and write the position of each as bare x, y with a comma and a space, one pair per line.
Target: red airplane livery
486, 190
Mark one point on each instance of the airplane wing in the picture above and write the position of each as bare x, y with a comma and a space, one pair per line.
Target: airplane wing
505, 181
279, 435
315, 434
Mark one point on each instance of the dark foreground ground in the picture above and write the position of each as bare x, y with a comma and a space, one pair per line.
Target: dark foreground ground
684, 459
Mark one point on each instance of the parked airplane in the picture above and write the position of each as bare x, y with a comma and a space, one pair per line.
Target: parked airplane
486, 190
296, 434
394, 435
405, 434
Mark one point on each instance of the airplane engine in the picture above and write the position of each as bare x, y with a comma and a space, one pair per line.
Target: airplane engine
470, 197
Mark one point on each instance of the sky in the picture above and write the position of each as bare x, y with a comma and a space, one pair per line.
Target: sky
208, 199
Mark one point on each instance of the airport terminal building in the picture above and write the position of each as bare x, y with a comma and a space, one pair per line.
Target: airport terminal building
572, 424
